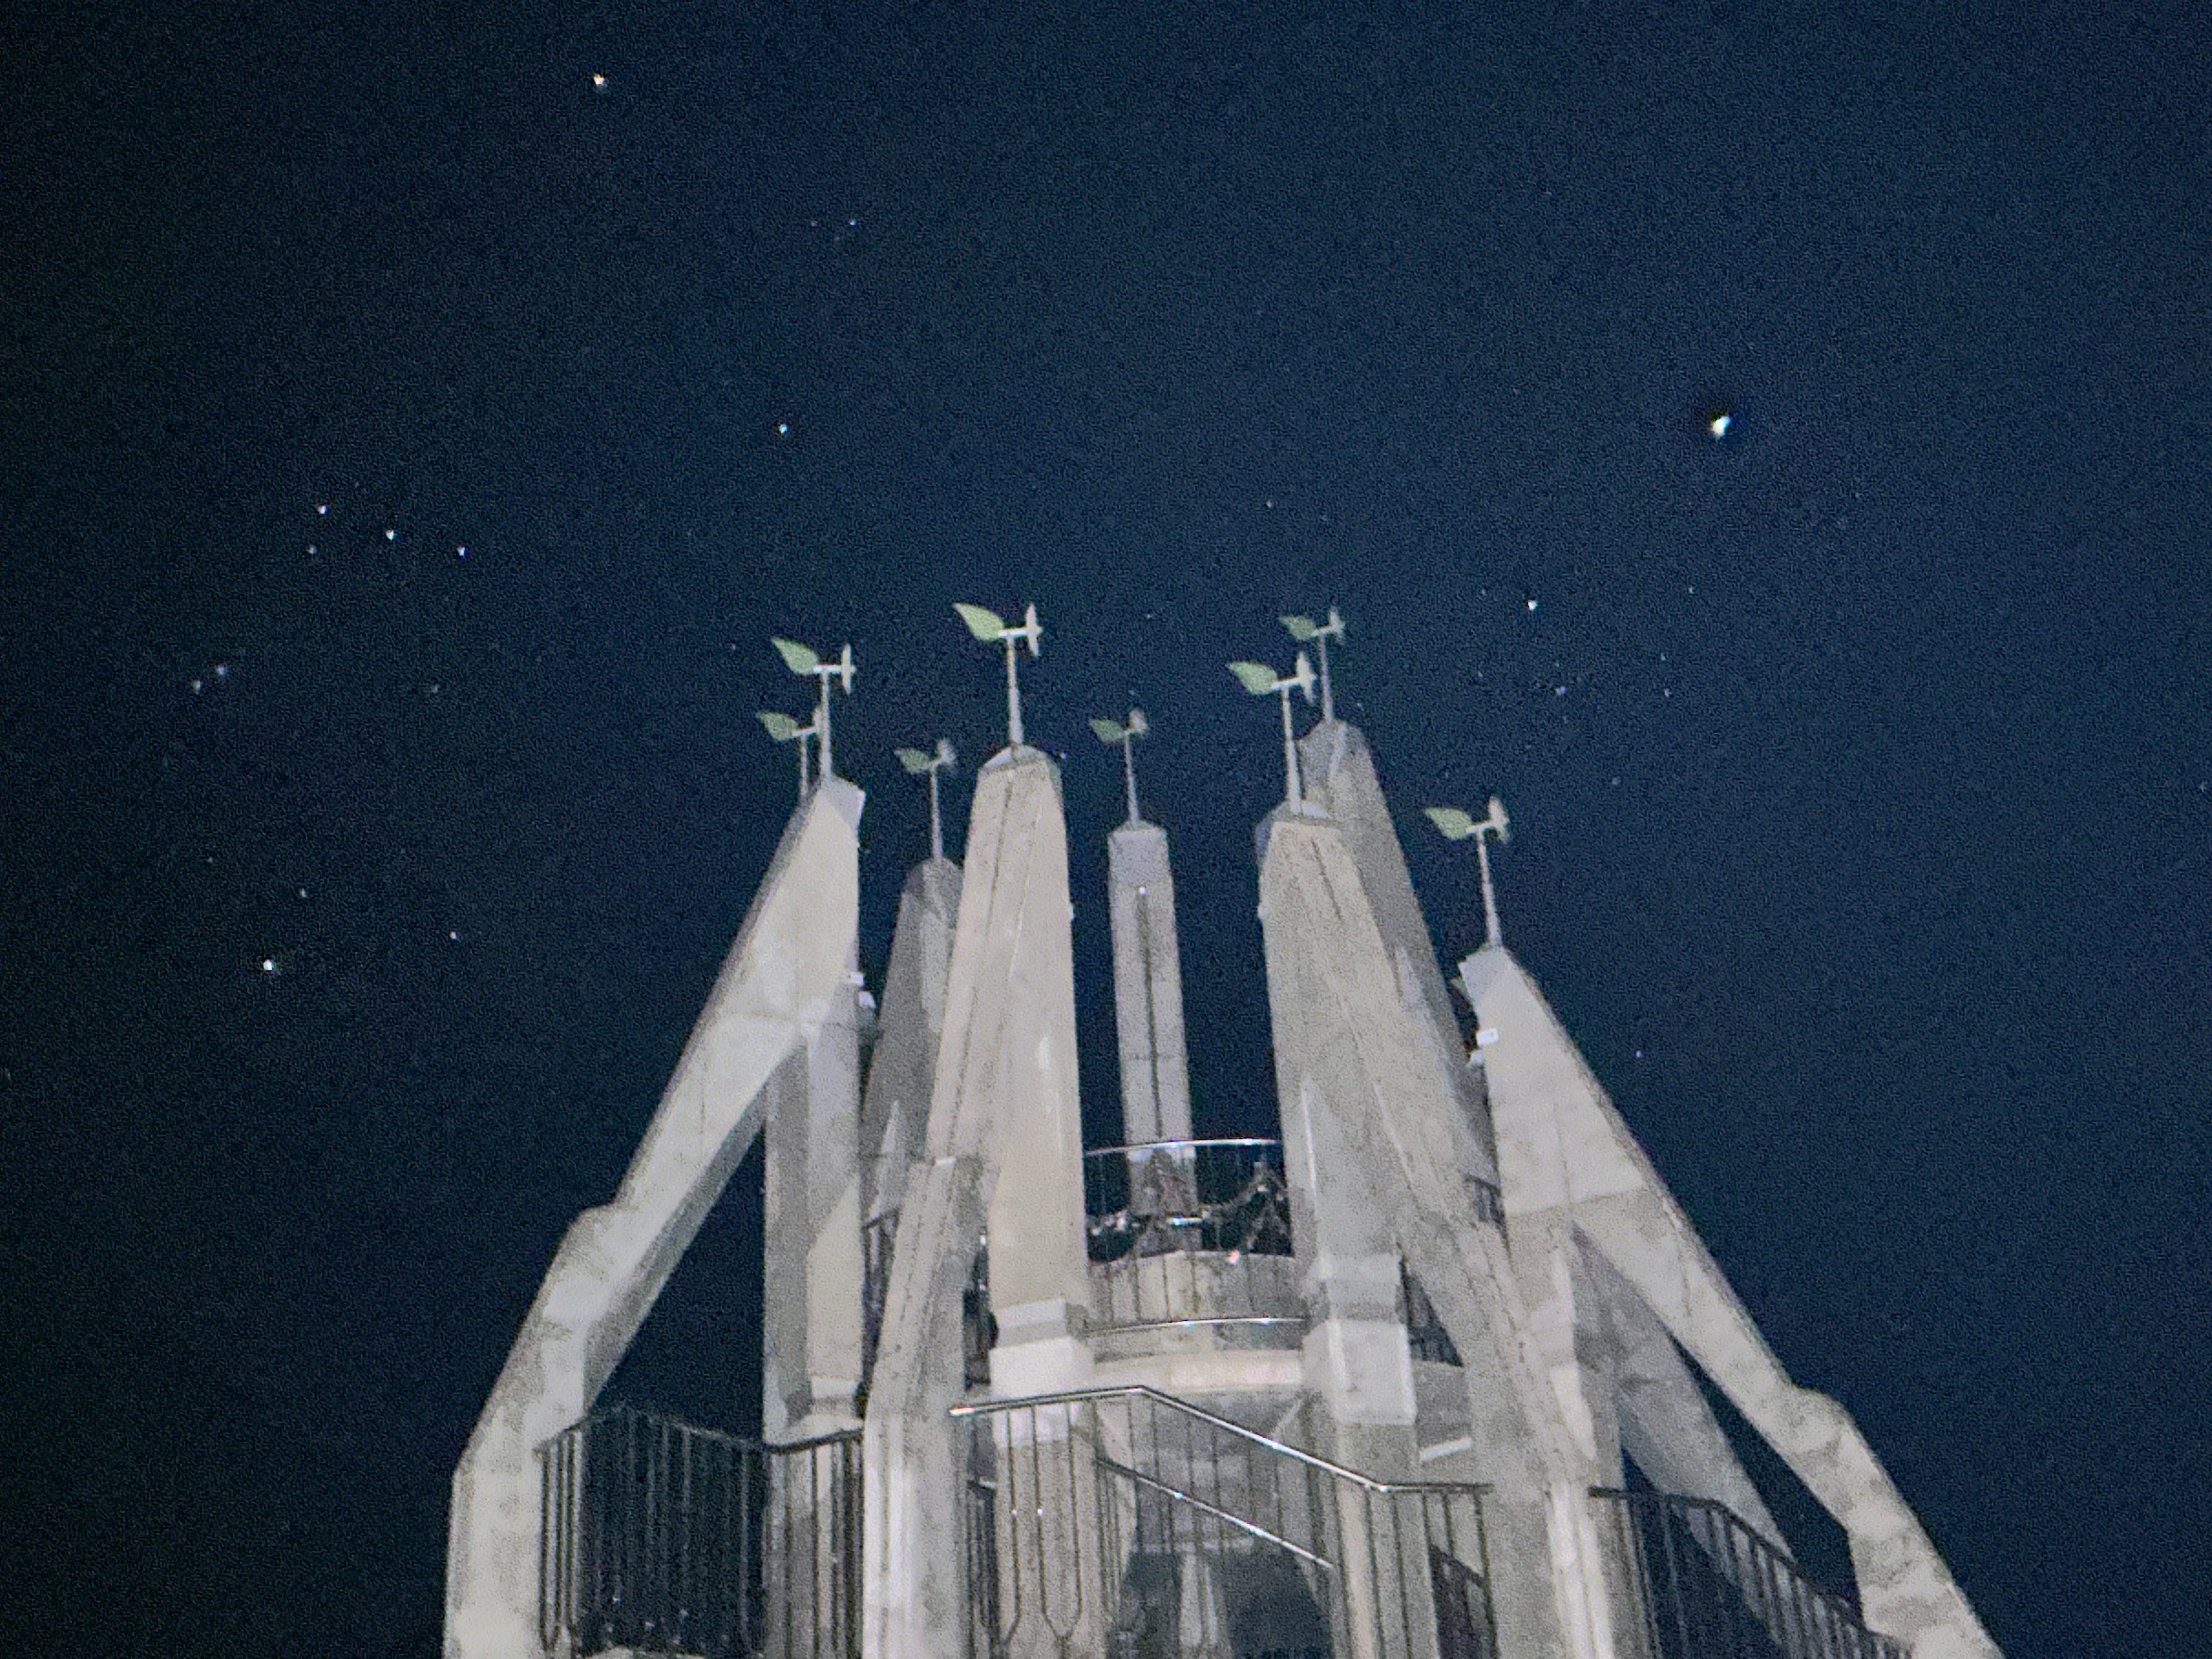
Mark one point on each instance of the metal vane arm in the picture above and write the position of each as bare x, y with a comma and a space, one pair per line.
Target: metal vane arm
804, 659
918, 761
991, 628
1126, 732
1259, 679
1304, 630
784, 729
1456, 825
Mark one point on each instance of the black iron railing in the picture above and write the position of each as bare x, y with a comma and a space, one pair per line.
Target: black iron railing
1192, 1233
1172, 1195
1708, 1587
978, 1328
663, 1537
1128, 1523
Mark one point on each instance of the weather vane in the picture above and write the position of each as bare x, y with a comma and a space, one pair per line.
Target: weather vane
1305, 630
784, 729
1458, 826
1259, 679
918, 761
804, 659
990, 627
1126, 732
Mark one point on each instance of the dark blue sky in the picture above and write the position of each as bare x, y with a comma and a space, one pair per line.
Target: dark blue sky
1860, 764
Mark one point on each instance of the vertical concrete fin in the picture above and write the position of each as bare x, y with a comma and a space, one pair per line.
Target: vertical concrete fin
781, 984
1340, 779
1003, 1152
1562, 1145
811, 1331
1349, 1055
894, 1110
1147, 987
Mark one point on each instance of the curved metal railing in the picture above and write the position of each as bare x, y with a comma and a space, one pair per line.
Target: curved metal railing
1176, 1195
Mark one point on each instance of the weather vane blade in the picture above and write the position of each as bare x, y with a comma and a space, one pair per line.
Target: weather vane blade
1457, 825
1306, 631
1258, 679
1126, 732
990, 627
805, 660
921, 762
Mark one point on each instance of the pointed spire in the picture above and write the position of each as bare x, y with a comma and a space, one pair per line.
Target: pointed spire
803, 660
990, 627
1259, 679
917, 762
1456, 825
1126, 732
1306, 631
784, 729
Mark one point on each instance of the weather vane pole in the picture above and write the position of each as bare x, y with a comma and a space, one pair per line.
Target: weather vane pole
784, 729
804, 660
918, 761
1259, 679
990, 627
1305, 630
1126, 732
1458, 826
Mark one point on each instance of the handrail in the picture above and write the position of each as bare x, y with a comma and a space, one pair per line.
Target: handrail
1085, 1397
723, 1436
1773, 1558
1181, 1145
1215, 1509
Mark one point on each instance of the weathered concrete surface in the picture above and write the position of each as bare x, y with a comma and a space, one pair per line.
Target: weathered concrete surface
1666, 1424
1003, 1149
811, 1356
895, 1111
781, 983
1147, 985
1563, 1147
1341, 781
1352, 1054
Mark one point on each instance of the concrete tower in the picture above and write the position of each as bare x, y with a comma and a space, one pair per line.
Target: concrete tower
1147, 965
1426, 1378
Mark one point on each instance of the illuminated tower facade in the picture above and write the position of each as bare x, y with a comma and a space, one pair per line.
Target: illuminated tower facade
1430, 1374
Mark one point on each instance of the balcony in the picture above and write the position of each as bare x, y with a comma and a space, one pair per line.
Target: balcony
1190, 1247
663, 1538
1708, 1587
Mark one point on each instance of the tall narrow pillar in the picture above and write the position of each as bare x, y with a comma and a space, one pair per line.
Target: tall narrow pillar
1002, 1155
811, 1359
1147, 987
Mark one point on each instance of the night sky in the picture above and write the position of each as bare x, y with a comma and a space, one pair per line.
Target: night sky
409, 442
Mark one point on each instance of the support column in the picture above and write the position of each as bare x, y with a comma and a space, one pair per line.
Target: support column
776, 991
1353, 1060
1003, 1151
811, 1359
1147, 987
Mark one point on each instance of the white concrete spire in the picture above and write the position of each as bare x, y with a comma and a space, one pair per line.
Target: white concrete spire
1457, 826
990, 627
1305, 630
804, 659
1259, 679
917, 762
